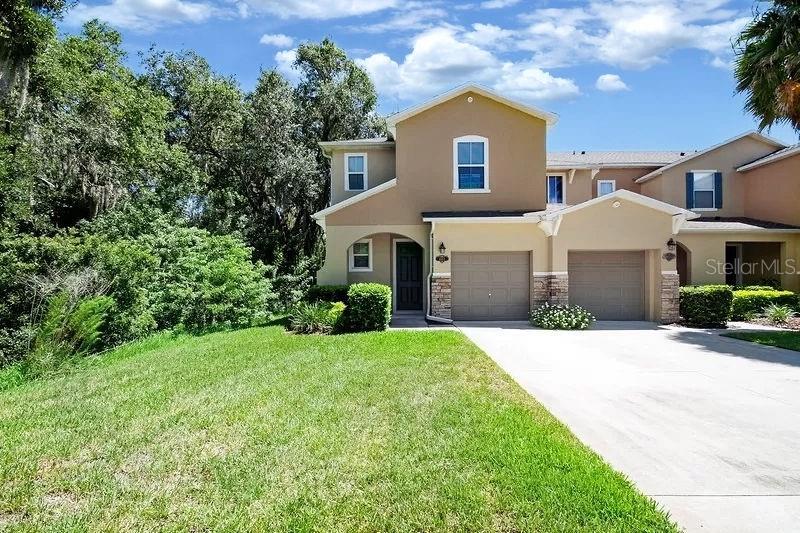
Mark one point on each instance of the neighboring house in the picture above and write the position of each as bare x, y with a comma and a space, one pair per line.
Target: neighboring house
465, 214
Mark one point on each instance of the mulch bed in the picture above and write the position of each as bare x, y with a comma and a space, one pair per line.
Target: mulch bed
793, 324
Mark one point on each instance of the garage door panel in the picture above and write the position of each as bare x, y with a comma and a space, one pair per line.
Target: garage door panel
609, 284
490, 285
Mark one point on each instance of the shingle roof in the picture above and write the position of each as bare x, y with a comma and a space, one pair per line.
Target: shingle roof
647, 158
771, 158
356, 142
735, 224
471, 214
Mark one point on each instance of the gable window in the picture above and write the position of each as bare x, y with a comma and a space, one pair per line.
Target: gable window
555, 189
471, 164
355, 172
606, 187
704, 189
361, 256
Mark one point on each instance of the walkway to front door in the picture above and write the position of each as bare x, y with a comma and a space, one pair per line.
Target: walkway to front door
408, 276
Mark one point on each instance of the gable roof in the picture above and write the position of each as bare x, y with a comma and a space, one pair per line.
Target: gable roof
392, 120
621, 194
374, 142
752, 134
612, 158
789, 151
320, 215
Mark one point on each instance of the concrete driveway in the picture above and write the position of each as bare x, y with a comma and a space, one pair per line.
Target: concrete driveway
706, 425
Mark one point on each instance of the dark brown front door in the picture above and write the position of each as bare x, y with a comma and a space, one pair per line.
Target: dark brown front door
409, 276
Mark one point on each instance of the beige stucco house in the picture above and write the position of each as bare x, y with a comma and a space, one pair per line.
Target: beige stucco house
464, 213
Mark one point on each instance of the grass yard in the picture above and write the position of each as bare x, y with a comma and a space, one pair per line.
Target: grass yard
259, 429
782, 339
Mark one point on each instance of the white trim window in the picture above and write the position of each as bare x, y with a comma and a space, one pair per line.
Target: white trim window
704, 191
471, 164
556, 189
360, 256
606, 187
355, 172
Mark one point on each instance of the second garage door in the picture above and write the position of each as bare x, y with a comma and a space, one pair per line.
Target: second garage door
609, 284
490, 285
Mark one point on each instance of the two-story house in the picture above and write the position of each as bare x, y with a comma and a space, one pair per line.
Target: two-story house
464, 213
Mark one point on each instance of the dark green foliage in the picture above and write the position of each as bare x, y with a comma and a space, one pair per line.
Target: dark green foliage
319, 317
749, 303
369, 307
70, 328
561, 317
768, 64
328, 293
706, 305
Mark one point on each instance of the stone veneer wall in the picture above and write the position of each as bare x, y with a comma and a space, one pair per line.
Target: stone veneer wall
549, 287
441, 296
670, 297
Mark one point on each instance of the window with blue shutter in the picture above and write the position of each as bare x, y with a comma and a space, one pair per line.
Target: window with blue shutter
706, 189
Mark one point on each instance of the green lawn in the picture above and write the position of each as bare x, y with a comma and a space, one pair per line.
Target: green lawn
781, 339
259, 429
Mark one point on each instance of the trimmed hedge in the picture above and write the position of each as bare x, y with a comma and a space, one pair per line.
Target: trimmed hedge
328, 293
748, 303
706, 305
369, 307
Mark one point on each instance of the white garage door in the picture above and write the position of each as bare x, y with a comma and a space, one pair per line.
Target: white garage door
609, 284
490, 285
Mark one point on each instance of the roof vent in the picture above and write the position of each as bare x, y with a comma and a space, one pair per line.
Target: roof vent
683, 154
583, 152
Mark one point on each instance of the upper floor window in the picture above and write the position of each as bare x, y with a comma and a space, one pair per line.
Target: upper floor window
606, 187
555, 189
355, 178
705, 189
471, 164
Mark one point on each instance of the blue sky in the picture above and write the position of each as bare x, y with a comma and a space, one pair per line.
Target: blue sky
621, 74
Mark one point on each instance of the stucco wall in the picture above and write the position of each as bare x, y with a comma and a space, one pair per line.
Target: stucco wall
492, 237
707, 252
380, 169
670, 187
773, 191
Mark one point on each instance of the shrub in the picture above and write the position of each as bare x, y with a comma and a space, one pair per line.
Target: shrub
754, 288
779, 315
319, 317
561, 317
369, 307
749, 303
706, 305
68, 330
327, 293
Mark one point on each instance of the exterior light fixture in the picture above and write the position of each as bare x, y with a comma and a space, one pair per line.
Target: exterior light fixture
442, 257
671, 244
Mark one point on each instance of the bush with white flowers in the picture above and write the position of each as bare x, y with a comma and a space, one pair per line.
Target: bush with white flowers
561, 317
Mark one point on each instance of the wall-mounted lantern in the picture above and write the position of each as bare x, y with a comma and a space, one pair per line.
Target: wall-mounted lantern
442, 257
671, 245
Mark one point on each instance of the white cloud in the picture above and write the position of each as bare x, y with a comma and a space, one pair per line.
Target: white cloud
498, 4
413, 18
634, 34
610, 83
143, 15
276, 39
321, 10
440, 59
284, 63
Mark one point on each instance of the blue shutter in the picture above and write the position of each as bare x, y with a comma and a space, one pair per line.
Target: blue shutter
689, 190
718, 190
